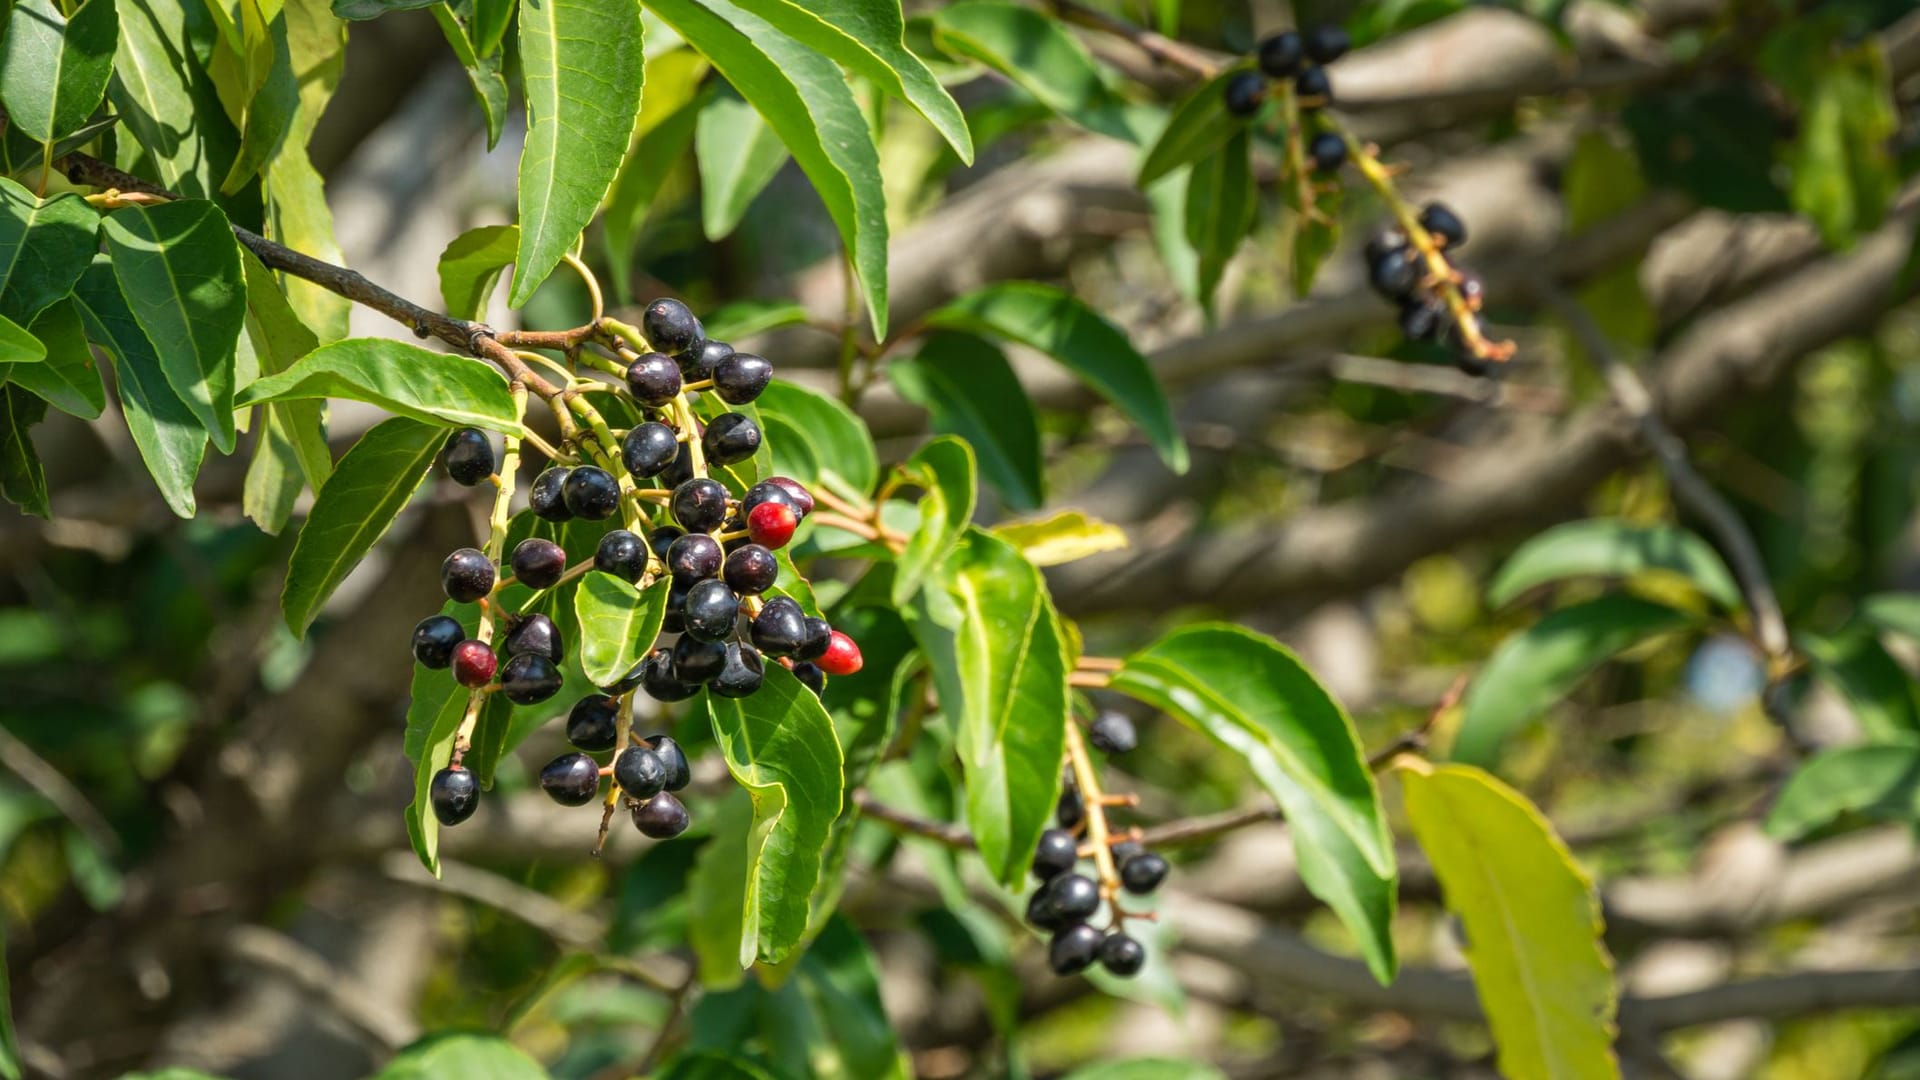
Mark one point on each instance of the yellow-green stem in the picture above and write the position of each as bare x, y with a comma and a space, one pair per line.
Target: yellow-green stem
1096, 812
497, 524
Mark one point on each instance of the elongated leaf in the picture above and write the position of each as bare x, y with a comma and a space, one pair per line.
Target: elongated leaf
1873, 682
1533, 669
1531, 919
291, 452
944, 470
1897, 612
17, 346
180, 134
618, 623
1147, 1069
1199, 126
257, 84
582, 64
486, 71
1221, 202
1038, 54
471, 266
179, 267
840, 979
23, 481
297, 213
69, 380
780, 745
1063, 538
999, 658
373, 9
1048, 319
478, 1057
1252, 696
1611, 548
711, 1065
814, 438
739, 155
668, 115
54, 71
433, 718
431, 387
717, 894
169, 437
368, 489
44, 248
968, 389
805, 98
1881, 782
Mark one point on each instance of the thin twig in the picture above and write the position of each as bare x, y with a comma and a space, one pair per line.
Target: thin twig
21, 761
312, 973
948, 833
1162, 49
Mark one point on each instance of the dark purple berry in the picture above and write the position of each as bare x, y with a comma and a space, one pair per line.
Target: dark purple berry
649, 449
1122, 955
780, 628
670, 327
661, 539
1069, 812
468, 456
811, 677
1422, 319
681, 470
1328, 151
1383, 242
1280, 55
1143, 873
1074, 896
454, 795
1072, 950
1395, 274
751, 570
473, 663
1327, 43
730, 438
741, 377
592, 723
662, 817
1041, 913
766, 491
1112, 733
675, 621
675, 759
547, 498
640, 772
657, 678
434, 638
529, 679
696, 661
711, 610
699, 505
818, 639
697, 364
622, 554
802, 498
653, 379
591, 493
1445, 225
694, 557
467, 575
538, 563
1057, 853
742, 673
571, 779
1245, 93
1313, 88
535, 635
634, 677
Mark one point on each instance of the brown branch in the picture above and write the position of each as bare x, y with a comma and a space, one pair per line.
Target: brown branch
954, 836
1164, 50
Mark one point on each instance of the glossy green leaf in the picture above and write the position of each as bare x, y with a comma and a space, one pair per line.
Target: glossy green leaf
20, 154
1531, 922
780, 745
1876, 687
1255, 698
297, 213
170, 438
486, 71
462, 1054
23, 481
618, 623
1612, 548
18, 346
177, 132
668, 115
1064, 537
255, 78
54, 70
1533, 669
45, 245
367, 491
68, 378
470, 268
1054, 322
999, 659
431, 387
815, 438
717, 893
1896, 612
739, 155
179, 267
1200, 126
805, 98
840, 979
434, 714
1880, 782
1038, 54
1221, 202
1147, 1069
582, 66
291, 452
943, 470
969, 389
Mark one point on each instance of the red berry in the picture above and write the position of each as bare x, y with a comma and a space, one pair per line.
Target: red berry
771, 524
802, 498
473, 663
842, 656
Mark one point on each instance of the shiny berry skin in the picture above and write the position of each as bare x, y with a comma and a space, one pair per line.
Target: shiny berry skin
1473, 289
1382, 242
591, 493
1422, 319
529, 679
1074, 896
731, 437
699, 505
1313, 88
696, 661
811, 677
771, 524
538, 563
751, 570
842, 656
653, 379
699, 364
1395, 274
1112, 733
780, 628
1246, 92
1121, 955
1056, 854
634, 676
670, 326
454, 795
1445, 225
742, 674
467, 575
1328, 151
658, 680
711, 611
802, 498
1072, 950
674, 621
741, 377
1143, 873
473, 663
571, 779
1040, 912
662, 538
681, 470
591, 725
1069, 811
693, 557
535, 635
1327, 43
468, 457
547, 497
818, 639
648, 449
662, 817
640, 772
1124, 850
434, 638
766, 491
675, 759
622, 554
1280, 55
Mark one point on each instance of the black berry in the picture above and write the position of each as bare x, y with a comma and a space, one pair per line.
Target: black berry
1382, 242
649, 449
751, 570
1327, 43
699, 505
653, 379
1143, 873
467, 575
818, 639
473, 663
547, 498
696, 661
1122, 955
538, 563
1422, 318
640, 772
711, 610
591, 493
1112, 733
693, 557
1074, 896
1473, 289
802, 498
454, 795
671, 327
697, 364
658, 680
811, 677
1445, 225
662, 817
1072, 950
571, 779
1395, 274
742, 673
535, 635
468, 456
674, 621
730, 438
675, 759
681, 470
591, 725
529, 679
1328, 151
634, 677
1124, 850
1313, 88
622, 554
1069, 812
780, 628
434, 638
1280, 55
662, 538
1056, 855
739, 378
1041, 913
1245, 93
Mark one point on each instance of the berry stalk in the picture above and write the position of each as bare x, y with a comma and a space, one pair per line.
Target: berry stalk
1087, 779
497, 524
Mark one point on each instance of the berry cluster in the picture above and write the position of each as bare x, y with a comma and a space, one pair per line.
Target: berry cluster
1066, 900
1290, 56
1399, 270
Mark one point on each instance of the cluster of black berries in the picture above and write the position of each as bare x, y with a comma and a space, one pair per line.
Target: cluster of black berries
1399, 271
1300, 58
1066, 899
647, 771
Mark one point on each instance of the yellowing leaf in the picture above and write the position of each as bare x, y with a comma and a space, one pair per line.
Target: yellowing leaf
1062, 538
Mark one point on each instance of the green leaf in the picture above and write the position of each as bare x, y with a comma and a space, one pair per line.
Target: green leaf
968, 389
256, 82
668, 115
815, 438
10, 1066
710, 1065
17, 346
744, 317
368, 489
373, 9
431, 387
1880, 782
1221, 201
54, 70
717, 893
943, 469
1255, 698
1895, 612
1531, 922
179, 132
1537, 667
739, 155
1062, 538
1875, 685
297, 214
780, 745
470, 268
68, 379
291, 452
618, 623
462, 1054
1314, 240
169, 437
1036, 53
804, 96
1844, 175
840, 979
45, 245
1612, 548
1046, 318
23, 481
20, 154
582, 65
1147, 1069
433, 725
485, 71
179, 267
1200, 125
999, 659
